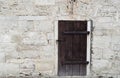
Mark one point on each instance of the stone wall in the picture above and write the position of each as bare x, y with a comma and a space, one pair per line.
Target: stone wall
28, 35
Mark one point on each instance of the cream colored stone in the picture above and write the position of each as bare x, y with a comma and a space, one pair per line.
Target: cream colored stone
101, 65
30, 54
105, 19
2, 57
50, 36
7, 47
101, 41
85, 1
44, 26
44, 2
63, 10
98, 53
15, 61
12, 55
35, 38
5, 38
9, 68
44, 67
108, 54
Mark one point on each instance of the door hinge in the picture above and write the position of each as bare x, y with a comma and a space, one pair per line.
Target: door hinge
60, 40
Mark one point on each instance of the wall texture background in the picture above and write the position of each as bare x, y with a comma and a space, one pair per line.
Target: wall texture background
27, 35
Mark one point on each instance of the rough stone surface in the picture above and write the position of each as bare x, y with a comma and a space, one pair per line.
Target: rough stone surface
28, 34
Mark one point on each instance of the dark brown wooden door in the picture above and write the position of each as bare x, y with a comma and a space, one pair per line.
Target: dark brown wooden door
72, 48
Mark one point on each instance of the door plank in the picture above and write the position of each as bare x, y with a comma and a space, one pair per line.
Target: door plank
69, 40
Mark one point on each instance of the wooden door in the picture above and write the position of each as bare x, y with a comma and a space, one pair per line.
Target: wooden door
72, 48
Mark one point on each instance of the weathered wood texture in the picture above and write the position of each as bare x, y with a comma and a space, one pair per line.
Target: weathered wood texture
72, 48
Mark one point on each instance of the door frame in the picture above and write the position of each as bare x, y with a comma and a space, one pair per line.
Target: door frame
89, 25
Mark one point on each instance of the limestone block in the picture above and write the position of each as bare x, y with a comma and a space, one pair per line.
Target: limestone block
15, 61
27, 65
7, 69
97, 53
67, 18
7, 25
116, 47
104, 32
25, 1
35, 18
51, 42
115, 43
2, 57
81, 9
36, 74
29, 54
25, 25
118, 76
44, 26
27, 47
116, 56
16, 37
28, 9
8, 18
108, 54
26, 68
26, 72
101, 41
85, 1
3, 70
44, 67
10, 71
50, 36
116, 31
44, 10
63, 10
104, 25
115, 39
20, 8
60, 1
105, 19
41, 60
44, 2
48, 51
107, 11
98, 32
101, 65
7, 47
11, 55
13, 2
5, 38
35, 38
115, 2
115, 67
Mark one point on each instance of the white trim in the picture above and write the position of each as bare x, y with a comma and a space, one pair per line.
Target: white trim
56, 47
88, 46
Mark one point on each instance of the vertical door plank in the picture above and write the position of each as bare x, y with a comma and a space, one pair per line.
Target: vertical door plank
76, 49
83, 38
69, 41
61, 50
